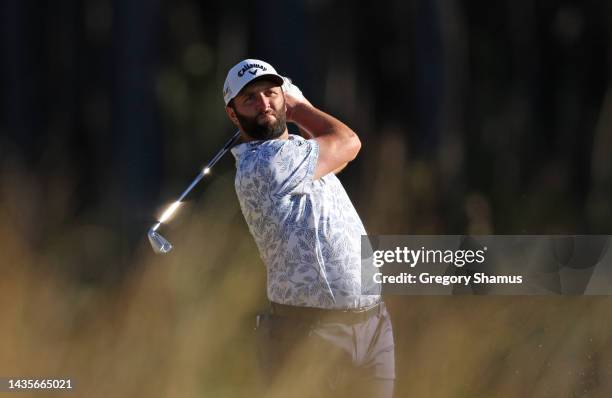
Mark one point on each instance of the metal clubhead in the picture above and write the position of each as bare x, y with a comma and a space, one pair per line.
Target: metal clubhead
159, 244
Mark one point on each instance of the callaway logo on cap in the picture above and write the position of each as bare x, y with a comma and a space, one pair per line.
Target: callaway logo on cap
243, 73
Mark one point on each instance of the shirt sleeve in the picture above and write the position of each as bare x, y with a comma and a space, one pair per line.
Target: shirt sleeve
289, 166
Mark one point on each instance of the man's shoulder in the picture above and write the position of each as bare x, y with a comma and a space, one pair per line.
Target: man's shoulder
269, 150
285, 166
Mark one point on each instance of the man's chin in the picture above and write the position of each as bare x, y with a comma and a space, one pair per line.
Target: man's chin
264, 127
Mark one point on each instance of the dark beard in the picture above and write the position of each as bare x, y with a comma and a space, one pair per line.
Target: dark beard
269, 131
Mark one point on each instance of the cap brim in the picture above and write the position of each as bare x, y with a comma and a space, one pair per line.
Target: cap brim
271, 77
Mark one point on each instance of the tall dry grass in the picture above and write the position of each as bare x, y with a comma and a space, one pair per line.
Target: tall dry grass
182, 325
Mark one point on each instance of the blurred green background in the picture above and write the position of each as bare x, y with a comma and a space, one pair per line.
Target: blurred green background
475, 117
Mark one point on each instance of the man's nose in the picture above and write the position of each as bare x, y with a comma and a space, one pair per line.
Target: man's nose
262, 102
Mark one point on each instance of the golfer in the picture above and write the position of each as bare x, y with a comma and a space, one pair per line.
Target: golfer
323, 335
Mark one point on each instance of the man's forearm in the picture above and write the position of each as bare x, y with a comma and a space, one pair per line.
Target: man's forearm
304, 133
317, 123
309, 134
338, 144
339, 169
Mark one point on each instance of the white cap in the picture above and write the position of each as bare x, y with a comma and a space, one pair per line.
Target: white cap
243, 73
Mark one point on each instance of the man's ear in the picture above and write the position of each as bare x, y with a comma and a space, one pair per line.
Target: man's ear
232, 115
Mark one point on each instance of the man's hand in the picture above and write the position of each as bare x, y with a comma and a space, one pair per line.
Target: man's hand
293, 98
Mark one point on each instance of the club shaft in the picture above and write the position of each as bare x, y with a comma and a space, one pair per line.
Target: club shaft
223, 150
190, 187
210, 164
160, 244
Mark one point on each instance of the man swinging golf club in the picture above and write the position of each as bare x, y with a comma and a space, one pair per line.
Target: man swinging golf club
308, 233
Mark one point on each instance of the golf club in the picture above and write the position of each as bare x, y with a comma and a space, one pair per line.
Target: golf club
160, 244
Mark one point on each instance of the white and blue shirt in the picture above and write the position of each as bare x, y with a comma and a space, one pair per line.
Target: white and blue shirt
307, 231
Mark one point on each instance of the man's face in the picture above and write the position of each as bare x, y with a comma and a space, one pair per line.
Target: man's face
259, 110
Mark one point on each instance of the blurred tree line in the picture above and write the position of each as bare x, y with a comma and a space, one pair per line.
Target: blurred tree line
476, 116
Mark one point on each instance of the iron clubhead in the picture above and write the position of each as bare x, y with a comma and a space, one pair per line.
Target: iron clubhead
159, 244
